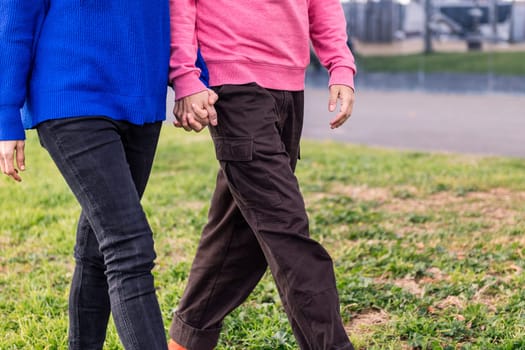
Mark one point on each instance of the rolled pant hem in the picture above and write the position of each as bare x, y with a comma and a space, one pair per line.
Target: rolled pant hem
193, 338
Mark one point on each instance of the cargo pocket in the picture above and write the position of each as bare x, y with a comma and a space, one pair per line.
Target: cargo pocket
237, 149
247, 176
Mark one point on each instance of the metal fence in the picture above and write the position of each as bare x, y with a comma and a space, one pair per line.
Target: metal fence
489, 29
388, 21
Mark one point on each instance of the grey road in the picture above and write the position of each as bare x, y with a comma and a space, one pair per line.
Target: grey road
490, 124
479, 124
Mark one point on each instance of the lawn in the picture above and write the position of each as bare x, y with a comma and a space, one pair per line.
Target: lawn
500, 63
428, 248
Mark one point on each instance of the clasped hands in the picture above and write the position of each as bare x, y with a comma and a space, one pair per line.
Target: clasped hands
195, 112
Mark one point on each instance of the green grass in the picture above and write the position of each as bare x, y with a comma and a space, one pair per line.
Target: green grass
500, 63
428, 248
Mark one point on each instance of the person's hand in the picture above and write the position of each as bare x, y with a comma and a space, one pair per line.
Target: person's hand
9, 151
196, 111
345, 95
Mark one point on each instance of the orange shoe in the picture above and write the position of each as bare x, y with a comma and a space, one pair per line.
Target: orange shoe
174, 346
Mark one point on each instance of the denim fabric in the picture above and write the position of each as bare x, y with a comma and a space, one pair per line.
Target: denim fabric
106, 164
257, 219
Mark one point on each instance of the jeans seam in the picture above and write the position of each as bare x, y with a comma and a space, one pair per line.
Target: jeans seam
75, 338
125, 319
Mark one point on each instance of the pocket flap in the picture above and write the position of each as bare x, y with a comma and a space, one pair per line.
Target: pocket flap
234, 148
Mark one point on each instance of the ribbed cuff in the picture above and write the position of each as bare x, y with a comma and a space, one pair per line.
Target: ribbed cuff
11, 127
342, 76
187, 85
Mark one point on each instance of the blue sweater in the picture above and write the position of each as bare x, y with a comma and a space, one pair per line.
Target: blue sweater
69, 58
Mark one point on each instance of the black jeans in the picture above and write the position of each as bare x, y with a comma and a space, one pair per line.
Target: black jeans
257, 218
106, 164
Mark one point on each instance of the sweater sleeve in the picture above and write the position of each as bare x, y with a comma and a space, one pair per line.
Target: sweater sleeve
184, 75
19, 23
329, 39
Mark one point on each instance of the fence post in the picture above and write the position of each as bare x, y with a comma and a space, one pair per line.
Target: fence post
428, 29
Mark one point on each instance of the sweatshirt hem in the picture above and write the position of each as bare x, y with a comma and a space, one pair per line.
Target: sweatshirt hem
266, 75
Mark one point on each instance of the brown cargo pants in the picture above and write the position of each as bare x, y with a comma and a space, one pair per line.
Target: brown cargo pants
258, 218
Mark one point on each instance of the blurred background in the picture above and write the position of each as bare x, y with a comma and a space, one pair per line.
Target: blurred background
439, 75
425, 37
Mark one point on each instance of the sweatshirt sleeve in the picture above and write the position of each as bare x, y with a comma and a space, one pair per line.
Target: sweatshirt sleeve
184, 75
329, 39
19, 23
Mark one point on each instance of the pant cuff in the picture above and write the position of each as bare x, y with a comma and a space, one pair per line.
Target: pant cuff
193, 338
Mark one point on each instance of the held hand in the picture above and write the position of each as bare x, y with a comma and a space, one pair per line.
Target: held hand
212, 99
209, 110
196, 111
345, 95
8, 151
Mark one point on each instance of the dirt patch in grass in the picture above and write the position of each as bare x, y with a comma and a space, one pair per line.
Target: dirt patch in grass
366, 320
363, 193
5, 241
492, 211
416, 286
410, 212
410, 285
497, 206
176, 249
452, 301
194, 205
402, 227
433, 275
312, 197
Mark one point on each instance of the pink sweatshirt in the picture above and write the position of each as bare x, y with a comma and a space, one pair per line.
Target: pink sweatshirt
263, 41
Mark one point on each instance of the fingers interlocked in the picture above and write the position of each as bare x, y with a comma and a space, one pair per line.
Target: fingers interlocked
195, 112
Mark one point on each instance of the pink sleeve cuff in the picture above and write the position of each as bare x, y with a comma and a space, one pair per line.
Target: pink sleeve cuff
342, 76
188, 84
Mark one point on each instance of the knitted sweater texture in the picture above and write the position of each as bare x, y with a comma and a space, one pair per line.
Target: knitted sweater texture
71, 58
264, 41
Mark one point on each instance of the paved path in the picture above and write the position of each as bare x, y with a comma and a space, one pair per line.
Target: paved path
481, 124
